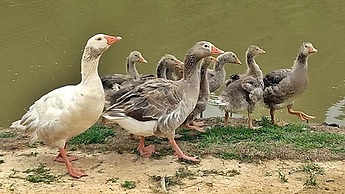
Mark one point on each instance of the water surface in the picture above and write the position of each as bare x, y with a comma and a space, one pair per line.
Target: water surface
41, 43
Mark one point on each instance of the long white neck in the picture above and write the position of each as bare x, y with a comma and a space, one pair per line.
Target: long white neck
89, 65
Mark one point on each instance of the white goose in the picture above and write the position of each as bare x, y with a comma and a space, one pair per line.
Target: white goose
159, 106
68, 111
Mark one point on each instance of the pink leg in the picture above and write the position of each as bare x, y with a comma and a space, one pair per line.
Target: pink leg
147, 151
71, 170
192, 126
179, 152
199, 124
70, 158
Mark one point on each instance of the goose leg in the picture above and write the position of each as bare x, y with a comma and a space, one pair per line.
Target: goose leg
195, 126
179, 152
147, 151
226, 117
71, 170
250, 120
273, 120
300, 114
70, 157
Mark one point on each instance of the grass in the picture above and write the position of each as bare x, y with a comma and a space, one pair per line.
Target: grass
7, 135
266, 142
36, 175
96, 134
128, 184
40, 174
311, 169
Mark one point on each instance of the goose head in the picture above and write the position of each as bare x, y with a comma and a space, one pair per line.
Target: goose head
99, 43
229, 57
307, 49
207, 61
136, 56
255, 51
171, 61
203, 49
102, 41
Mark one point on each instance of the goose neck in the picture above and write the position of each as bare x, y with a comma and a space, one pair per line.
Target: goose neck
131, 69
161, 69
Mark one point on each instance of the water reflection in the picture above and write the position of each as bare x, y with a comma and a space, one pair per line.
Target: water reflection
41, 42
336, 113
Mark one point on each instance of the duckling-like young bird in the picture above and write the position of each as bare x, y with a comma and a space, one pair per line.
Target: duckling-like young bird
114, 81
159, 106
204, 93
216, 76
164, 68
283, 86
245, 92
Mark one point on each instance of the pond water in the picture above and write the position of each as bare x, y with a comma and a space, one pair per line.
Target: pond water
41, 43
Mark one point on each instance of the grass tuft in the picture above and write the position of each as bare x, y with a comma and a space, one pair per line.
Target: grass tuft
128, 184
40, 174
311, 181
7, 134
95, 134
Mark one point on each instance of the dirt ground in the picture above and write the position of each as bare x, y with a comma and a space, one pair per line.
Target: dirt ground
102, 167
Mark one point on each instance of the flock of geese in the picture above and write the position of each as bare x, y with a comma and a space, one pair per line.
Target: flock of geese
147, 105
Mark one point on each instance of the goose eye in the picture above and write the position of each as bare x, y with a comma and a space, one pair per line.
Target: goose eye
306, 46
99, 38
172, 59
136, 55
205, 45
257, 49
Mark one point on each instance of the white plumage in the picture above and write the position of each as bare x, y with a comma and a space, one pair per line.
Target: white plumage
68, 111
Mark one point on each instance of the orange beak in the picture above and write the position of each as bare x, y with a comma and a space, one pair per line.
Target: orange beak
238, 61
178, 62
112, 39
143, 60
216, 51
312, 50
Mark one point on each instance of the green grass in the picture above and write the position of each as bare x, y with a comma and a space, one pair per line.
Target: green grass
128, 184
312, 168
266, 142
40, 174
7, 134
96, 134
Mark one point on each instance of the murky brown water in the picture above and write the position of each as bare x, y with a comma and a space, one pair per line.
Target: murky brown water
41, 43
